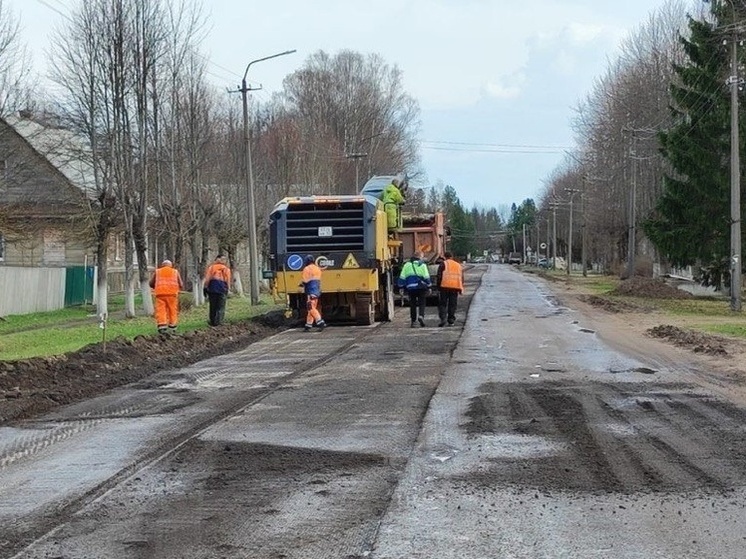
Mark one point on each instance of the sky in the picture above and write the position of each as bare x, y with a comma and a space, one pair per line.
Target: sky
497, 81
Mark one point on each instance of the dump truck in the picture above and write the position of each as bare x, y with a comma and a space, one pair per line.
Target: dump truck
347, 237
425, 232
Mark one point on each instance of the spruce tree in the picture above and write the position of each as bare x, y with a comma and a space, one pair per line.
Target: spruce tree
691, 222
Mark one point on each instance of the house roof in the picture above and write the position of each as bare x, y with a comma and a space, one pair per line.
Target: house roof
68, 152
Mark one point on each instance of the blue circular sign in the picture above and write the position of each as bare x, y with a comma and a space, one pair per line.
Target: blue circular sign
295, 262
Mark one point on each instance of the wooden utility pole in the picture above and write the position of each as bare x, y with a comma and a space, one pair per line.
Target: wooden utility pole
735, 182
572, 192
554, 205
582, 227
632, 240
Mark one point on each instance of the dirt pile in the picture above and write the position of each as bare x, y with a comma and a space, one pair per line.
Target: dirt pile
32, 386
612, 305
694, 341
649, 288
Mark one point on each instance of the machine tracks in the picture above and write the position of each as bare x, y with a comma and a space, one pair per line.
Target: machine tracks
613, 437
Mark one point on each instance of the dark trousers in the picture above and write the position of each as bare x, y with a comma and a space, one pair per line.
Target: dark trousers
417, 300
217, 308
447, 301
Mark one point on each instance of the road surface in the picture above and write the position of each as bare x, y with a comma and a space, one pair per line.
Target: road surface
516, 434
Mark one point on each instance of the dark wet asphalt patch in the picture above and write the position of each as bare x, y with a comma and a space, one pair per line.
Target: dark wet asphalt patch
605, 438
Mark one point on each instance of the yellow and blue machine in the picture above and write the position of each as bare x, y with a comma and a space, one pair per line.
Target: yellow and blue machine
348, 238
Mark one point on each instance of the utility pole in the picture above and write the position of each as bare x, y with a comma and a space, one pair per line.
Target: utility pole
633, 157
524, 243
250, 204
632, 238
582, 226
357, 157
572, 192
554, 205
735, 182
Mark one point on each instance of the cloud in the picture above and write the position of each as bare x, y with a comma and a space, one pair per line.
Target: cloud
505, 88
582, 33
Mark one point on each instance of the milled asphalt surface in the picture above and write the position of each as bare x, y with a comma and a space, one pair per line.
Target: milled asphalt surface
532, 440
479, 493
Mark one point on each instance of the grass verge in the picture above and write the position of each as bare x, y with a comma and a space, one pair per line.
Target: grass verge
704, 314
66, 330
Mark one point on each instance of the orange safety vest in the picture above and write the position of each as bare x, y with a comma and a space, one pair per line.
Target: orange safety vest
167, 281
452, 276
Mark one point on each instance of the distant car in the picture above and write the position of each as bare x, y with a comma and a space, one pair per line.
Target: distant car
544, 263
514, 258
479, 260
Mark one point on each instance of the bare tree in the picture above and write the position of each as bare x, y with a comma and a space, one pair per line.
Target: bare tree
351, 102
76, 63
14, 65
616, 128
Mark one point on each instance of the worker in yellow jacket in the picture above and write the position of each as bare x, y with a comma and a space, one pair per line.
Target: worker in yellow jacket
392, 198
166, 283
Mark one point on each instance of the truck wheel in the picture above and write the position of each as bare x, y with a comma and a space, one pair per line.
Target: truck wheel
365, 312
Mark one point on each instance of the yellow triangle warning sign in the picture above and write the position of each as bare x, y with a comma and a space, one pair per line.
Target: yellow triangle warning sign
350, 262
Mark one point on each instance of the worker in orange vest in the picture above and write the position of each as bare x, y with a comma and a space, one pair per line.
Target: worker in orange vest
311, 284
450, 286
166, 282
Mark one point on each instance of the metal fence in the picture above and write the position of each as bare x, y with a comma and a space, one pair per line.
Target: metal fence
29, 290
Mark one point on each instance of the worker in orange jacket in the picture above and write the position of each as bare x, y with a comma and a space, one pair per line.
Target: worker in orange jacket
166, 282
311, 284
450, 286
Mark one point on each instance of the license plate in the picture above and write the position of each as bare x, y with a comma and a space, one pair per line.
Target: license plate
325, 231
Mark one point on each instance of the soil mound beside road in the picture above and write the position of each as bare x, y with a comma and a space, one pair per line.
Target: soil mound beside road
612, 305
650, 288
632, 318
32, 386
689, 339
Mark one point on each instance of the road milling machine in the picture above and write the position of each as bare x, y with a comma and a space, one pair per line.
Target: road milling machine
348, 239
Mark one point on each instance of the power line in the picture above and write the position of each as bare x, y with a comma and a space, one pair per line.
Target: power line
51, 7
526, 146
496, 150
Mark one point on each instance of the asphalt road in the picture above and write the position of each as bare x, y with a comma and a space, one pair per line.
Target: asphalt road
521, 436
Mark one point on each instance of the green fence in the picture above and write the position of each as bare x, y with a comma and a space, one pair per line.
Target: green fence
78, 285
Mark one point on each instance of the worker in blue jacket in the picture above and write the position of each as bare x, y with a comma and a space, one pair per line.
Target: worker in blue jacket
415, 279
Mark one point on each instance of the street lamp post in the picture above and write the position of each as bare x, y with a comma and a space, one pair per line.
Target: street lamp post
251, 206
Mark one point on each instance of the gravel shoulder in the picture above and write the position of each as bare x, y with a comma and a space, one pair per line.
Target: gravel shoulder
663, 338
